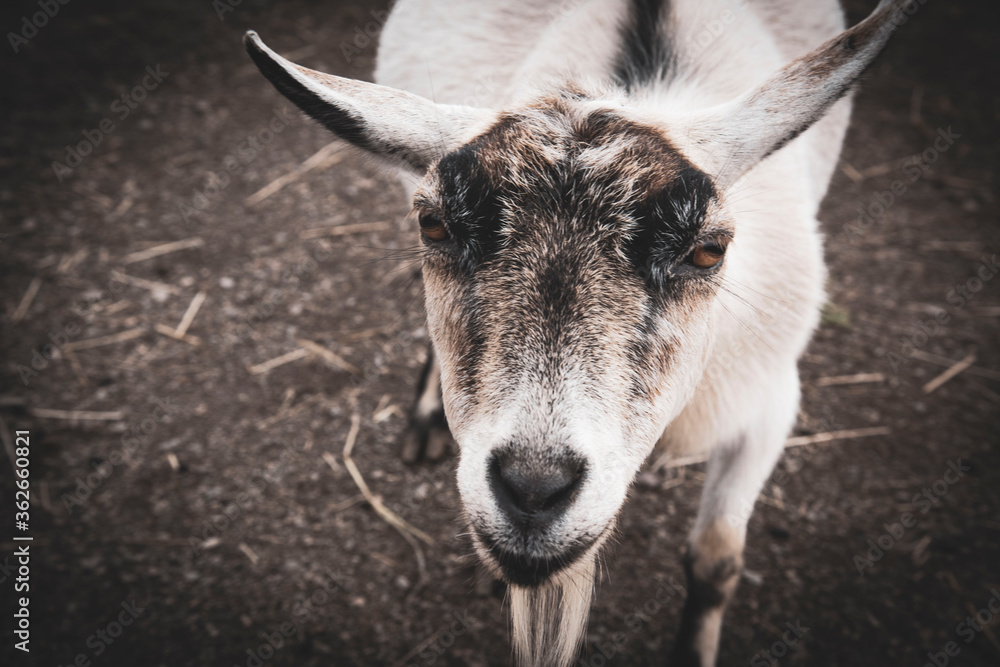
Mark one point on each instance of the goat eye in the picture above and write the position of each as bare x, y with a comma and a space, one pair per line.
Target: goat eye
707, 255
433, 227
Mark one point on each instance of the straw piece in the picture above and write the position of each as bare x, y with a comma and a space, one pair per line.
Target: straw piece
111, 339
69, 262
331, 461
327, 156
190, 313
347, 504
287, 412
667, 463
26, 300
382, 402
945, 361
860, 378
849, 434
74, 363
352, 435
329, 356
344, 230
366, 333
122, 208
102, 200
151, 285
271, 364
168, 331
386, 412
249, 553
851, 172
955, 369
77, 415
166, 248
388, 515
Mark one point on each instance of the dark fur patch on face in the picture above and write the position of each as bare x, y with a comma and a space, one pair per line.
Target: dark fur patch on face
568, 229
645, 54
547, 167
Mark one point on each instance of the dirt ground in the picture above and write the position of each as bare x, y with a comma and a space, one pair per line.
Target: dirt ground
216, 501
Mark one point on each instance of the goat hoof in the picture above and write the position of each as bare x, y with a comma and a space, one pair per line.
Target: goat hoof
438, 443
412, 446
429, 443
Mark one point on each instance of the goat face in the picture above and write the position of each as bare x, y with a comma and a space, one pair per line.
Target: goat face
571, 257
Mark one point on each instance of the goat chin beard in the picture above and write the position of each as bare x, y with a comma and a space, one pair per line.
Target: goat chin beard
549, 620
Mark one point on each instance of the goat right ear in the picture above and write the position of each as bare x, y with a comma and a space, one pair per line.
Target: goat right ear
730, 139
405, 130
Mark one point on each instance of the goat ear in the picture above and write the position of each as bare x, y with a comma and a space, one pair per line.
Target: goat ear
406, 130
730, 139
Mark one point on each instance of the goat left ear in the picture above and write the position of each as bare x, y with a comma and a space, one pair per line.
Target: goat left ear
405, 130
730, 139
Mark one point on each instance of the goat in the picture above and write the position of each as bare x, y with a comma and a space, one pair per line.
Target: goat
590, 266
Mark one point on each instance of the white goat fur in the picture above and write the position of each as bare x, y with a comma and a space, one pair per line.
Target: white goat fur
497, 54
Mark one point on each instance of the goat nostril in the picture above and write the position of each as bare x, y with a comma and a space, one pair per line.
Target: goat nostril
539, 492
